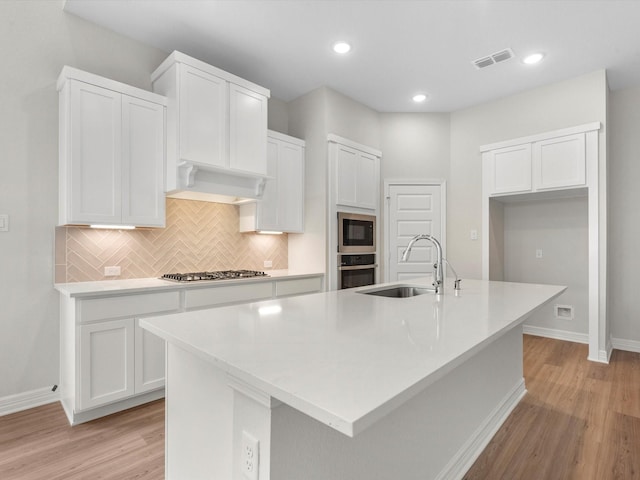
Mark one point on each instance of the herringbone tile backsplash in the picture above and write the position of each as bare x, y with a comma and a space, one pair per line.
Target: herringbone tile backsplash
199, 236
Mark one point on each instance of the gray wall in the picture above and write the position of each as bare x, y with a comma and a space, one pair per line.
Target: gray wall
624, 214
559, 229
37, 38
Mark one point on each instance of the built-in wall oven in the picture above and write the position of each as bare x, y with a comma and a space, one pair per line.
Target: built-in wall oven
356, 233
356, 270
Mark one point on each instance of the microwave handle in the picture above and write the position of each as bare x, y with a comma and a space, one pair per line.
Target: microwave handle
359, 267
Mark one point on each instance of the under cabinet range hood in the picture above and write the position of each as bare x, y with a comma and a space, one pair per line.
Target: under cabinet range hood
215, 184
216, 131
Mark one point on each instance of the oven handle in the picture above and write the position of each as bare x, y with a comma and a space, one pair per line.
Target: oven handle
359, 267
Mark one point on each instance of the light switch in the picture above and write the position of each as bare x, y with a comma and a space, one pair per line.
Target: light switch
4, 223
474, 234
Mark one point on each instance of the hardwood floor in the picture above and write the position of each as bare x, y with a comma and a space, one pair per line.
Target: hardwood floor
39, 444
580, 420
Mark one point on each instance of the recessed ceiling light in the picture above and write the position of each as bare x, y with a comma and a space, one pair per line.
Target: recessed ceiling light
419, 98
533, 58
341, 47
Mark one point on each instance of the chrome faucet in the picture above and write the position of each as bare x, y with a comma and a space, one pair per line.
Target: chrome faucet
438, 266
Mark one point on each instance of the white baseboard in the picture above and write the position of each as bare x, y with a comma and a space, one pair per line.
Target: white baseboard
626, 345
26, 400
556, 334
463, 460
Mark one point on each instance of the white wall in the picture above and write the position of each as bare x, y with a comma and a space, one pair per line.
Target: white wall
415, 145
624, 214
36, 39
307, 120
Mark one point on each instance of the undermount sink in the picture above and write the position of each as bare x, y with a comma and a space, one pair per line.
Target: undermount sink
399, 291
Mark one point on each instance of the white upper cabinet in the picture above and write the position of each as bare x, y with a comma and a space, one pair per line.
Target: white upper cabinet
510, 169
111, 165
217, 125
542, 164
282, 206
357, 175
202, 100
247, 130
559, 162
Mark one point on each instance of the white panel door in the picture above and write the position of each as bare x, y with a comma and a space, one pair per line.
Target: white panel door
413, 210
511, 169
346, 176
203, 104
95, 155
367, 183
106, 362
247, 130
560, 162
142, 163
291, 187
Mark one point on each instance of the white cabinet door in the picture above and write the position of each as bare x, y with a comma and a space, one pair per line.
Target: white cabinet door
202, 106
357, 178
93, 162
106, 367
367, 181
268, 209
247, 130
149, 362
282, 206
143, 131
510, 169
559, 162
347, 175
291, 187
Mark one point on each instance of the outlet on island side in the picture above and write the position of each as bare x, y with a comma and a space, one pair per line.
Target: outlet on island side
249, 456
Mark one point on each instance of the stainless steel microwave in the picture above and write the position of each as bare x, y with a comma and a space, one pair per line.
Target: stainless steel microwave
356, 233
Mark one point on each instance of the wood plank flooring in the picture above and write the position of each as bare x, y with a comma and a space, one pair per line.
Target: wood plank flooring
580, 420
39, 444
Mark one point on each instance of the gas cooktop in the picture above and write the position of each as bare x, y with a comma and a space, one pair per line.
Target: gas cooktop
219, 275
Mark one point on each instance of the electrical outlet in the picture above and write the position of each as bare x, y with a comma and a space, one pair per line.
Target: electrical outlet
539, 253
250, 456
474, 234
111, 271
4, 223
268, 264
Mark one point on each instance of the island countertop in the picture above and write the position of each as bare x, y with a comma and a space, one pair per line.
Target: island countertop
346, 358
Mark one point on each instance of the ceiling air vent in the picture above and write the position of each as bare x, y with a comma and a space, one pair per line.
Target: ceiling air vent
497, 57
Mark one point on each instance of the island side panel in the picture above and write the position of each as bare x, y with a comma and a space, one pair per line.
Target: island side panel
199, 418
437, 434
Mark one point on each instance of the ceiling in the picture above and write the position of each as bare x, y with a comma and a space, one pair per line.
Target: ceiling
400, 47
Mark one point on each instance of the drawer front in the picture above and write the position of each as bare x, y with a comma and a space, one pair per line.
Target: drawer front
298, 286
127, 306
212, 296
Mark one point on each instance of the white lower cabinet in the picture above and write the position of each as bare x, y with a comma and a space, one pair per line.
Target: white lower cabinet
106, 367
118, 359
109, 363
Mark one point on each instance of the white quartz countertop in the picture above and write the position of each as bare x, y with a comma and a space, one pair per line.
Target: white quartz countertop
345, 358
140, 285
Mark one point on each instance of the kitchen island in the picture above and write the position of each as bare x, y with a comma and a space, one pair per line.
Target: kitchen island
344, 385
